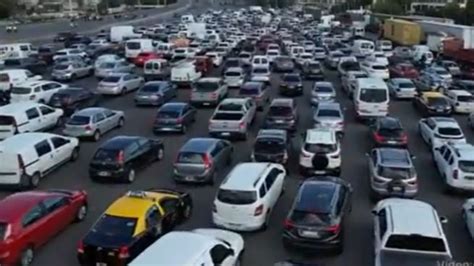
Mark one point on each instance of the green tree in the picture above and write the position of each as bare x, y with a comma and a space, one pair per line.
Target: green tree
452, 11
388, 7
469, 12
6, 8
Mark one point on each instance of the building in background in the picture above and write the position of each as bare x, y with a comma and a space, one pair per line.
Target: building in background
320, 3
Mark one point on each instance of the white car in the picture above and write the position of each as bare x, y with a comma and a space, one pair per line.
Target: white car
120, 83
272, 54
438, 130
246, 58
260, 61
461, 101
375, 69
455, 163
69, 52
216, 58
319, 53
319, 143
247, 196
37, 91
303, 58
468, 216
261, 74
107, 58
378, 57
332, 59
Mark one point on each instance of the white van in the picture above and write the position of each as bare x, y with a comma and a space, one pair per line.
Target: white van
260, 61
12, 77
363, 47
187, 19
199, 247
247, 196
16, 50
386, 46
119, 33
137, 46
371, 98
28, 157
295, 51
165, 49
27, 117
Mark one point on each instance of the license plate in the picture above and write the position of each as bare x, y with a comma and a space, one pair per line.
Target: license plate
205, 103
225, 134
104, 173
391, 142
439, 110
279, 121
397, 189
188, 178
101, 264
309, 234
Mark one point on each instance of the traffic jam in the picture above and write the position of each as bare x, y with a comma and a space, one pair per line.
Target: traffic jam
243, 136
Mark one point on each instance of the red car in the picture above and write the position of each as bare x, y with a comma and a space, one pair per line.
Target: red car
403, 70
29, 219
145, 56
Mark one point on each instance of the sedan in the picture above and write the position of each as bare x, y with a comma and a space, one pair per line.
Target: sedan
155, 93
403, 70
291, 84
106, 68
73, 71
388, 131
174, 117
401, 88
93, 122
119, 84
323, 91
283, 64
468, 216
329, 115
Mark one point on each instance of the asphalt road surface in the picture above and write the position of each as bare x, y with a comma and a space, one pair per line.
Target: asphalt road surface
262, 248
47, 30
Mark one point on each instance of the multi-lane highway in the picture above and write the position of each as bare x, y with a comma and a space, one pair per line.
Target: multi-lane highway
262, 248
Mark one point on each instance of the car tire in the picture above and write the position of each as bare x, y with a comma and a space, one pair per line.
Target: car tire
34, 180
229, 159
130, 176
121, 122
96, 136
267, 221
59, 122
27, 256
81, 213
74, 155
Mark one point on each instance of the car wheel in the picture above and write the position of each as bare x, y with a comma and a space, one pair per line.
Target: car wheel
131, 176
74, 155
34, 180
267, 221
27, 256
96, 136
229, 159
121, 122
160, 155
81, 213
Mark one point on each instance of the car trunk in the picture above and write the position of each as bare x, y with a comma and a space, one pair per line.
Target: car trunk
191, 164
168, 118
312, 226
226, 121
236, 206
12, 165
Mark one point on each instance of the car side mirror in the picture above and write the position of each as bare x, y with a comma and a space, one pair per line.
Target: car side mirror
374, 212
443, 219
367, 154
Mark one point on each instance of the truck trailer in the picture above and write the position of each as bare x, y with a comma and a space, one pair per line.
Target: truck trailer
402, 32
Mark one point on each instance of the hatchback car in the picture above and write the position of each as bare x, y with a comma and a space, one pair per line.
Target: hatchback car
388, 131
119, 84
392, 173
316, 218
234, 77
291, 84
208, 91
323, 91
201, 160
312, 70
329, 115
93, 122
105, 68
271, 145
155, 93
72, 99
320, 152
438, 130
118, 158
283, 64
401, 88
282, 114
258, 91
72, 71
174, 116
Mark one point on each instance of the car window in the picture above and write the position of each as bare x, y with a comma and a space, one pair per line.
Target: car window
219, 253
169, 205
262, 191
153, 217
55, 203
447, 154
32, 216
382, 219
43, 148
46, 110
99, 117
145, 144
108, 113
132, 149
442, 149
59, 142
32, 113
271, 177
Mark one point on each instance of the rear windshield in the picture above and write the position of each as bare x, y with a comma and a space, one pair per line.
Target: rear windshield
232, 63
451, 131
190, 157
169, 114
206, 86
437, 101
107, 65
320, 148
227, 116
150, 88
373, 95
106, 155
78, 120
6, 120
133, 45
329, 113
4, 77
268, 145
395, 172
21, 90
111, 79
466, 166
118, 227
416, 242
406, 85
249, 91
230, 107
237, 197
323, 89
61, 67
280, 111
292, 78
260, 70
379, 67
309, 218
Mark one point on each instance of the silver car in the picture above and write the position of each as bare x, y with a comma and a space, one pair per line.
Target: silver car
323, 91
93, 122
71, 71
234, 77
109, 67
208, 91
329, 115
155, 93
119, 84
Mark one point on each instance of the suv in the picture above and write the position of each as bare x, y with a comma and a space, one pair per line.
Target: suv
282, 114
321, 148
247, 196
392, 173
456, 165
317, 216
271, 145
409, 231
388, 131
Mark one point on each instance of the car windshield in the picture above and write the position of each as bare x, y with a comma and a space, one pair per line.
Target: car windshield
260, 71
395, 172
323, 89
406, 85
328, 113
291, 78
236, 197
314, 66
61, 67
249, 91
111, 79
6, 120
437, 101
232, 74
232, 63
206, 86
106, 155
466, 166
150, 88
133, 45
397, 258
78, 120
280, 111
21, 90
244, 56
269, 145
107, 65
442, 71
465, 98
320, 148
449, 131
379, 67
173, 114
373, 95
303, 217
190, 157
415, 242
116, 227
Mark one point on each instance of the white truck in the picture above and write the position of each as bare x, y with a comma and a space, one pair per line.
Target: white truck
185, 73
119, 34
462, 32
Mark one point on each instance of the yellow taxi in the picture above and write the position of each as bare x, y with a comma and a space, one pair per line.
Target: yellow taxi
131, 224
432, 103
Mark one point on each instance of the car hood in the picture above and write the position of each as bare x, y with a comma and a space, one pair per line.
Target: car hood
235, 240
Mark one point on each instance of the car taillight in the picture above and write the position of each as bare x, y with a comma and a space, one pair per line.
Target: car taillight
123, 253
378, 137
214, 95
242, 125
80, 247
121, 157
258, 210
207, 162
334, 229
404, 137
288, 224
21, 164
455, 174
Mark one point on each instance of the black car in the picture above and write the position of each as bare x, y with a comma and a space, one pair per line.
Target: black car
316, 218
312, 70
173, 117
33, 64
73, 99
118, 158
64, 36
388, 131
282, 114
77, 39
283, 64
46, 53
271, 145
291, 85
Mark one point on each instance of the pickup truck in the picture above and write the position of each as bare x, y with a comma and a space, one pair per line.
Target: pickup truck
232, 118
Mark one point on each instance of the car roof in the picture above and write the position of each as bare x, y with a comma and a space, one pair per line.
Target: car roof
132, 206
15, 107
72, 90
291, 75
90, 111
444, 121
235, 69
320, 136
329, 106
272, 133
432, 94
14, 206
401, 80
323, 84
119, 142
23, 140
389, 122
199, 145
244, 176
316, 196
375, 83
252, 84
464, 150
394, 156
